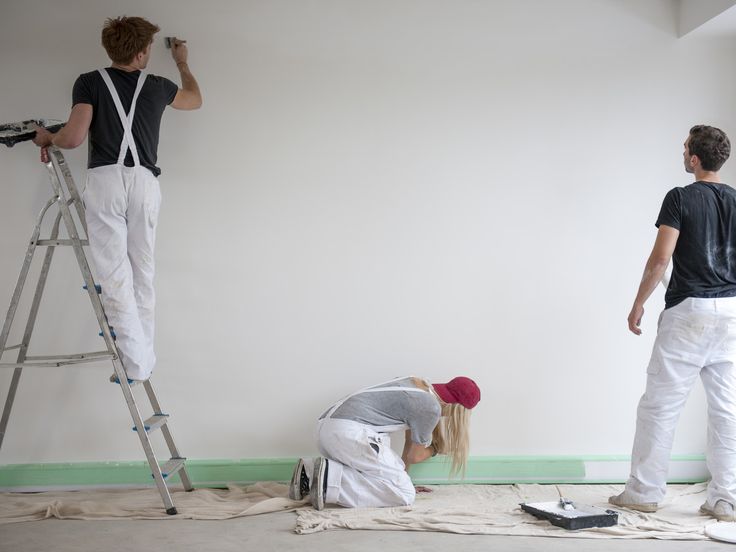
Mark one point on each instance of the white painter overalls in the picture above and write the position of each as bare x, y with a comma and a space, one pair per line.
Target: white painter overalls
122, 205
696, 337
363, 469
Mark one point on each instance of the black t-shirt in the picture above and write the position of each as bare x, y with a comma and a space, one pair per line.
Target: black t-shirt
704, 261
106, 131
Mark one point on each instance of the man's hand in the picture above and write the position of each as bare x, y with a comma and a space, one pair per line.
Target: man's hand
179, 50
635, 316
43, 139
422, 489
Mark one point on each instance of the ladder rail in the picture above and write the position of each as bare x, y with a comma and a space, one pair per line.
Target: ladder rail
57, 158
38, 295
143, 436
30, 251
74, 195
166, 432
30, 324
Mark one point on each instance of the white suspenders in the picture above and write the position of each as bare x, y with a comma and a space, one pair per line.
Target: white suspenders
125, 120
374, 389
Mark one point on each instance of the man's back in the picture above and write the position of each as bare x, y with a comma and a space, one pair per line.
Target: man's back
704, 262
106, 132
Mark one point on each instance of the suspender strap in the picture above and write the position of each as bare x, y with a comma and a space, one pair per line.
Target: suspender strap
125, 120
372, 389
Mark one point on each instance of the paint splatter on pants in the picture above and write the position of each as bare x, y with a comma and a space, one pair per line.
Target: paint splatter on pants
363, 469
695, 338
122, 206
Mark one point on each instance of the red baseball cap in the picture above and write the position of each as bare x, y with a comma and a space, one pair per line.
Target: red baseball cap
460, 390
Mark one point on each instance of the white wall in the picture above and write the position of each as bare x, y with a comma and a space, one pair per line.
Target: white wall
375, 189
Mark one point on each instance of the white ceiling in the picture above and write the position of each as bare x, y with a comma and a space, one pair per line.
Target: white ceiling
701, 18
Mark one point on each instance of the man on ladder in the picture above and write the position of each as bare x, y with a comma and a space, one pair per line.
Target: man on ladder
121, 109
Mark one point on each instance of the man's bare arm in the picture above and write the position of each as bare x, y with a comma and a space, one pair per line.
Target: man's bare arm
70, 136
188, 97
655, 268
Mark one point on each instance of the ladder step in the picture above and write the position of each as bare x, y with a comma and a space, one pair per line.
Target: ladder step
55, 243
172, 466
98, 288
154, 422
97, 355
55, 362
13, 347
131, 382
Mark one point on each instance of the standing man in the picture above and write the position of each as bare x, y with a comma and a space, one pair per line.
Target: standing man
121, 109
697, 330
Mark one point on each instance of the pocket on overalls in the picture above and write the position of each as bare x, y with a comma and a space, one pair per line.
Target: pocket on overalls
374, 440
679, 336
153, 203
728, 348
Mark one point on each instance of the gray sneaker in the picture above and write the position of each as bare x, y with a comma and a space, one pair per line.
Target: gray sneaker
318, 487
299, 485
624, 500
722, 511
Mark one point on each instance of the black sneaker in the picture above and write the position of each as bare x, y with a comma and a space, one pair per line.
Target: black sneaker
318, 488
299, 485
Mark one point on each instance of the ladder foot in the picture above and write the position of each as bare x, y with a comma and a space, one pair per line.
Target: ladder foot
171, 511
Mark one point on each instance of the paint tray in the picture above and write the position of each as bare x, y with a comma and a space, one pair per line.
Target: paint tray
581, 516
12, 133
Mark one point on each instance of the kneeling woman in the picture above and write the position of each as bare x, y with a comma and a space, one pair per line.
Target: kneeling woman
358, 468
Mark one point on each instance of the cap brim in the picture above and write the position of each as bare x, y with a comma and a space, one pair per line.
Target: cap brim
444, 393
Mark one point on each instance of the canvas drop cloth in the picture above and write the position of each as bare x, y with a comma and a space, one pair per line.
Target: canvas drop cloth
469, 509
146, 504
494, 510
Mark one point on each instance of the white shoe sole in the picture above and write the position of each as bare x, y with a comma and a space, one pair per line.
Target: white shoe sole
720, 517
317, 484
295, 486
646, 507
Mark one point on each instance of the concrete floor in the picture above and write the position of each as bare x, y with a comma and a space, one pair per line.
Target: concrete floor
276, 532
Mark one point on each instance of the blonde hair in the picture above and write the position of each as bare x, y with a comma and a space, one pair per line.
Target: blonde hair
451, 436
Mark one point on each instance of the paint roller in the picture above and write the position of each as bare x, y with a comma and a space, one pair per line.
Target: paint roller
569, 515
564, 503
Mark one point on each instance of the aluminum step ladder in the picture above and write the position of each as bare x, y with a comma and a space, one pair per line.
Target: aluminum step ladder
65, 197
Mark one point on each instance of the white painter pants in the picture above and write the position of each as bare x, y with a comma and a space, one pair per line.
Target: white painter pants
363, 470
121, 208
695, 338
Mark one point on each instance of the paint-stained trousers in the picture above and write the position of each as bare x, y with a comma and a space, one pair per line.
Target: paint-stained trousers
695, 338
121, 209
363, 470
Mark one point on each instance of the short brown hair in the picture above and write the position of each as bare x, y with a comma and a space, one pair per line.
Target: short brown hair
124, 37
711, 145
